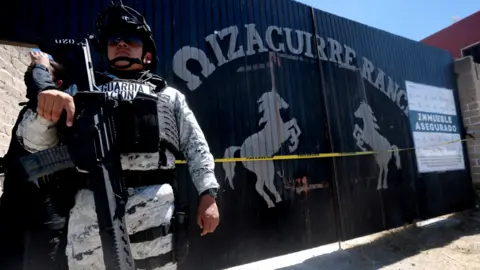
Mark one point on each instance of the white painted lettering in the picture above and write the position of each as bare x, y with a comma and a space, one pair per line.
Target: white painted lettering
367, 69
300, 41
253, 38
231, 31
400, 94
321, 48
380, 81
335, 51
392, 89
212, 39
180, 65
269, 39
255, 44
308, 43
121, 90
350, 55
232, 54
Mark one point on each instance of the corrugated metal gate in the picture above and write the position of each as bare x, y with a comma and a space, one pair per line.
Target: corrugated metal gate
217, 52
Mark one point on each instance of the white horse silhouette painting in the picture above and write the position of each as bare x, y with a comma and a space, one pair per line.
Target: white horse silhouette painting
370, 135
266, 142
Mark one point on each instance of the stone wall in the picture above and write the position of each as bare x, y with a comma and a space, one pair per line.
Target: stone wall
468, 81
13, 63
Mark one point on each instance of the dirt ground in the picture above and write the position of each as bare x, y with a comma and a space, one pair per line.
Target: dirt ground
453, 243
448, 243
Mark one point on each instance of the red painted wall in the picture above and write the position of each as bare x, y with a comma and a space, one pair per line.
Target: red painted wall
457, 36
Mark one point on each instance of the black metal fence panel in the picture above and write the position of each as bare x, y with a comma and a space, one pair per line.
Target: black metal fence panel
364, 72
251, 102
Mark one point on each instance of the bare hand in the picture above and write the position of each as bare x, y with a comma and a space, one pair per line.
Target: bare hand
207, 214
40, 58
51, 104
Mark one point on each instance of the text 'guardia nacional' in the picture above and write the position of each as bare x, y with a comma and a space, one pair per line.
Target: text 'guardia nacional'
124, 90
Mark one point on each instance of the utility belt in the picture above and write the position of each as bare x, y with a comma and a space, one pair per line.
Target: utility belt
178, 225
143, 136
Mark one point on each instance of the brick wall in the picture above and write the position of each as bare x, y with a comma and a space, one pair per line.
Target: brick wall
468, 81
13, 63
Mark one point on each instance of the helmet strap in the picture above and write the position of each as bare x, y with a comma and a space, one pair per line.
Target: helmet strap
131, 61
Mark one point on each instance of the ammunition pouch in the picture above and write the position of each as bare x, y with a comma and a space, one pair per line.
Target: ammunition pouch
178, 229
181, 244
137, 125
179, 224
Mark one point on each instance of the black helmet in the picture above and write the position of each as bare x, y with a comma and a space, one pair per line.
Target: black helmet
119, 19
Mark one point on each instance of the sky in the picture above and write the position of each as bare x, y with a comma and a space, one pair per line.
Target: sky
413, 19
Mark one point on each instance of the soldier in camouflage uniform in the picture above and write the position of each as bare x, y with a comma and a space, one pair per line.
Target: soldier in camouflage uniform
147, 156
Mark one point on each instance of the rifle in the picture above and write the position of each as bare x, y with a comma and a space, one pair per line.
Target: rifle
90, 145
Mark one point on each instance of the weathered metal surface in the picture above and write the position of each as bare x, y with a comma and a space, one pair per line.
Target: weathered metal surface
251, 102
370, 90
262, 115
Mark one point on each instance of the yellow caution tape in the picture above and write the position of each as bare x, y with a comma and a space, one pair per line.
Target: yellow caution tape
320, 155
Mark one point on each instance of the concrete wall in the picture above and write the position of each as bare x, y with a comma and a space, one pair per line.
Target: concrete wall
468, 81
13, 63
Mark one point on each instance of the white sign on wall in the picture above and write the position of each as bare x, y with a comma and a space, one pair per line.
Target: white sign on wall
434, 124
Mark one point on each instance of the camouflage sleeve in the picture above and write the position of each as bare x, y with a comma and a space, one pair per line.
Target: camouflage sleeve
37, 78
36, 133
194, 147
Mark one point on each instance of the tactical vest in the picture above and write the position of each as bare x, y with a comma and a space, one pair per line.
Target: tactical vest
148, 139
146, 127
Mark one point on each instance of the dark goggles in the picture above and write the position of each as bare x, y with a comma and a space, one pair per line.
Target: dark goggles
129, 40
